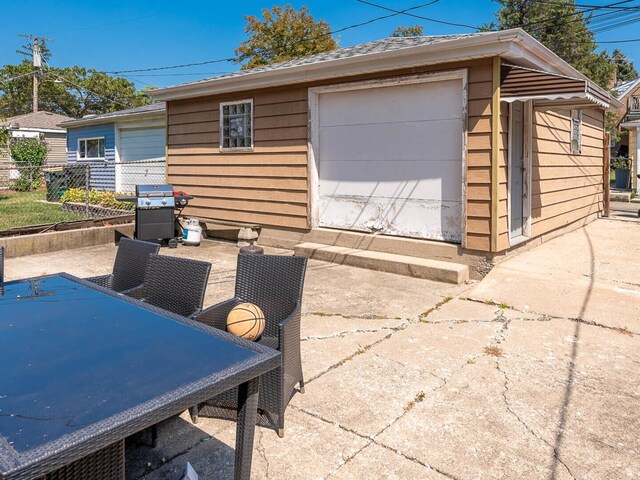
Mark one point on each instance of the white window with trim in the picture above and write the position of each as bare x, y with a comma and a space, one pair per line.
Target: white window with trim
236, 125
576, 131
91, 148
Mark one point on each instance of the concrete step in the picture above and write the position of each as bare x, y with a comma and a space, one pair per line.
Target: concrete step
386, 262
620, 196
430, 249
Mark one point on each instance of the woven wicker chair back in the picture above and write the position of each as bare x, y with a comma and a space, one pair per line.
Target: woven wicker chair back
273, 282
176, 284
131, 263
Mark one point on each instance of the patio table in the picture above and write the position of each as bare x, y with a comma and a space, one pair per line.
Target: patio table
82, 368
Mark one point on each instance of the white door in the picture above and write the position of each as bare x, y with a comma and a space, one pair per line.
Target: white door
390, 159
519, 144
142, 158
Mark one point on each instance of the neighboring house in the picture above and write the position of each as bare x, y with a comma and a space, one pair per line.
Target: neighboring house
629, 120
40, 124
124, 148
483, 140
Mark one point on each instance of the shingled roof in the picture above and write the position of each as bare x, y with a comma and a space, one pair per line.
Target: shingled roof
377, 46
37, 120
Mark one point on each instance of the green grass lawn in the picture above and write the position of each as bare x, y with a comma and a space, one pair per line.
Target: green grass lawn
23, 209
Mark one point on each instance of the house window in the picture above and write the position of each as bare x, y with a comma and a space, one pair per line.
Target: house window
635, 104
576, 131
236, 119
91, 148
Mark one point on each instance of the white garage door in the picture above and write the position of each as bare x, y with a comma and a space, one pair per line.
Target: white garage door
142, 158
390, 159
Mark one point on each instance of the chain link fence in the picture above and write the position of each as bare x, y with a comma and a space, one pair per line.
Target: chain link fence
33, 196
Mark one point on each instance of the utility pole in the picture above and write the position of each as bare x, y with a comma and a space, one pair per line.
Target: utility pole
36, 52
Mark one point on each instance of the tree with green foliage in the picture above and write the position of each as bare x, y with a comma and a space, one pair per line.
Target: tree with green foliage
625, 69
410, 31
283, 34
72, 91
561, 27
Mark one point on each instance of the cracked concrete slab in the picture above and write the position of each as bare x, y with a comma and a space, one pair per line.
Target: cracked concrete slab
468, 391
590, 274
460, 310
321, 356
561, 378
366, 292
375, 461
442, 430
305, 452
319, 327
372, 389
176, 436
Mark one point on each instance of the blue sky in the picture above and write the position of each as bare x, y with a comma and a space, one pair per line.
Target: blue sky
125, 35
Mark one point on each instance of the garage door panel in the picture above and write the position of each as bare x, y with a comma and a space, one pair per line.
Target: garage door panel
395, 218
403, 140
390, 160
403, 103
350, 178
142, 158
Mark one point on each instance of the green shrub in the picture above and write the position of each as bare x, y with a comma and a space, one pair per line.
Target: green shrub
103, 199
620, 163
29, 155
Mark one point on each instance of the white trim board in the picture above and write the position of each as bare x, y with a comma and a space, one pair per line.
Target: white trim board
526, 182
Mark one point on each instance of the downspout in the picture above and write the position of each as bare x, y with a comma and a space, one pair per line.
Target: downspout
495, 150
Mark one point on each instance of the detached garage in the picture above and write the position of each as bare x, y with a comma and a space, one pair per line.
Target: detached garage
123, 148
453, 147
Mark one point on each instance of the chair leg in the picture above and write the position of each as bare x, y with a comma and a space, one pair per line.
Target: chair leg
301, 385
281, 425
194, 411
154, 436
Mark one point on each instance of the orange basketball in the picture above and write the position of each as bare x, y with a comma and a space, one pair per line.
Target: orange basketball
246, 320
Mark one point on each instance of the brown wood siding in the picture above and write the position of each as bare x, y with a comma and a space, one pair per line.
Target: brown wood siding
565, 187
478, 221
269, 185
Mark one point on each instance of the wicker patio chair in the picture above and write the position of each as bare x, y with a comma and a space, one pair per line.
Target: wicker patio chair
173, 283
274, 283
1, 264
129, 266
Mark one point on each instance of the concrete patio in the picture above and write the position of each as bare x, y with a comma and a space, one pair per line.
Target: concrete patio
531, 373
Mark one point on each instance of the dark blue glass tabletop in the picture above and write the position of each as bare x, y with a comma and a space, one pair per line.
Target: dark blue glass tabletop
72, 355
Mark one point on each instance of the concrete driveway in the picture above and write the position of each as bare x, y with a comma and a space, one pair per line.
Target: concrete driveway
531, 373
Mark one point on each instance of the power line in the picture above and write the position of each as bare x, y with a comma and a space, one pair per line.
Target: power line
48, 72
429, 19
16, 77
233, 59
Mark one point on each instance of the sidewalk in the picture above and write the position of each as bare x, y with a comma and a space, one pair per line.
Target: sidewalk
531, 373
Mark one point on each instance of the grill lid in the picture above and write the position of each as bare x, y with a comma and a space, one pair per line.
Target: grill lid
154, 190
155, 196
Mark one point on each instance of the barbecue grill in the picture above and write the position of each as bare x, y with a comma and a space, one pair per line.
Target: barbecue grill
154, 216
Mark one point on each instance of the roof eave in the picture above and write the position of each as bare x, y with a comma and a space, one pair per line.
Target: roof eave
82, 122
